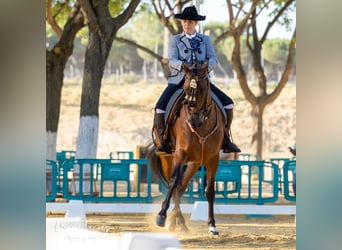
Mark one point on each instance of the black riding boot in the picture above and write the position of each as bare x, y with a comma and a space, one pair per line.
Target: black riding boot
159, 124
228, 146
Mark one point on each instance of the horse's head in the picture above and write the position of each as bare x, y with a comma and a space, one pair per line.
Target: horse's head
196, 88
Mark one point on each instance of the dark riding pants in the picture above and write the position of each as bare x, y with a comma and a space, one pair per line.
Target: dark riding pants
172, 88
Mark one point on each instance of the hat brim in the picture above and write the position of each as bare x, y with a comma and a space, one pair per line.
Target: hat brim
197, 18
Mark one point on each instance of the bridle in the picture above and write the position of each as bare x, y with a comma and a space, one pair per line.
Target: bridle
190, 99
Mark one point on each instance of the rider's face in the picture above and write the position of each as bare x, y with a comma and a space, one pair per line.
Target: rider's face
189, 26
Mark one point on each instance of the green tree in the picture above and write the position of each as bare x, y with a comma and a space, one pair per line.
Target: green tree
243, 18
214, 29
228, 47
275, 56
125, 58
145, 29
165, 11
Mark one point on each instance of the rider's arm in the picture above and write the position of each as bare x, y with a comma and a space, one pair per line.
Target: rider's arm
174, 61
210, 53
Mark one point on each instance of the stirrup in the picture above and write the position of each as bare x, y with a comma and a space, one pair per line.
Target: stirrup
230, 147
164, 149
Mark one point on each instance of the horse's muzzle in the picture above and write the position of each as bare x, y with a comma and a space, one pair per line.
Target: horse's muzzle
195, 123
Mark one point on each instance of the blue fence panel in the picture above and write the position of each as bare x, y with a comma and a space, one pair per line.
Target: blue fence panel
250, 186
289, 170
118, 172
64, 155
193, 193
61, 157
142, 166
105, 180
238, 182
51, 180
230, 176
120, 180
280, 162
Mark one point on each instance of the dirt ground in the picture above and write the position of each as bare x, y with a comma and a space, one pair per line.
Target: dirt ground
236, 231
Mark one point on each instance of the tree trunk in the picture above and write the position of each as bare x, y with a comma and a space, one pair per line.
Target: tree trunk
95, 60
56, 60
257, 129
55, 64
54, 82
102, 30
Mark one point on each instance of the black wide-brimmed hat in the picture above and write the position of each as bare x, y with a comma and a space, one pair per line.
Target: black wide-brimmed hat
190, 13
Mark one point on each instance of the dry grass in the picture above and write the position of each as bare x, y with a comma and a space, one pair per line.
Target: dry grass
126, 117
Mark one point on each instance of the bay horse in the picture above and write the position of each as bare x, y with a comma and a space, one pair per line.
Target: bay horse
196, 133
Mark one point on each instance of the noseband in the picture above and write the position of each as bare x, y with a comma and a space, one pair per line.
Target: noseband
191, 99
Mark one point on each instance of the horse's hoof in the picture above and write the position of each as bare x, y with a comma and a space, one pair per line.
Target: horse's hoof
160, 220
213, 231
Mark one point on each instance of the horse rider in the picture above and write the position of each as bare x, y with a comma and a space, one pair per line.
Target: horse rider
189, 47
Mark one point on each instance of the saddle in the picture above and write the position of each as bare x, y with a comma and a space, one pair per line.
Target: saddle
174, 105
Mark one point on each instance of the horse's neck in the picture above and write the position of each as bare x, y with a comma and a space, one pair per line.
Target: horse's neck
208, 102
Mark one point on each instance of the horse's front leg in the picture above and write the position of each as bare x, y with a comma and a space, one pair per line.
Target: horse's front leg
161, 217
210, 195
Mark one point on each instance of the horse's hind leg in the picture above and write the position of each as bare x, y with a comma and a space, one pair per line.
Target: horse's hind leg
177, 212
161, 217
181, 221
172, 218
176, 216
171, 221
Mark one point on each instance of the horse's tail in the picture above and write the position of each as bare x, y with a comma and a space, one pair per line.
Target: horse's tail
155, 163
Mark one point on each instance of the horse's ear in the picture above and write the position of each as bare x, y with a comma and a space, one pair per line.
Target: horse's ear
205, 66
185, 67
